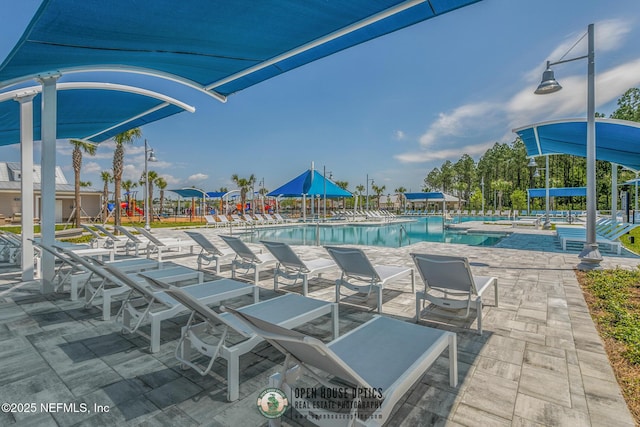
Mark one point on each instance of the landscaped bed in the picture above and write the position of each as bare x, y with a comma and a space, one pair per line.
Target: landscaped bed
613, 297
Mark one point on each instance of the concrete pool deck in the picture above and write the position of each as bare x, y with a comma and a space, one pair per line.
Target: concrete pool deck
540, 360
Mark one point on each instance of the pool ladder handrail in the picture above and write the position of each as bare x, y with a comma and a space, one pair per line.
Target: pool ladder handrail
402, 229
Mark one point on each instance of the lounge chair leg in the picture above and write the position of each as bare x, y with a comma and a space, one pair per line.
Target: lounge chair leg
276, 272
155, 335
453, 361
217, 267
417, 307
305, 285
379, 299
106, 307
233, 380
233, 270
479, 308
495, 290
337, 291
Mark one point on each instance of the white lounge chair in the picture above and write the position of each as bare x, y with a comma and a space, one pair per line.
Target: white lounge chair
384, 357
113, 240
161, 245
206, 330
78, 275
210, 252
158, 306
356, 267
246, 258
451, 287
292, 267
108, 288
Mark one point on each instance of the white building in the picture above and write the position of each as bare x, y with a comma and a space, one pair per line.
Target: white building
11, 202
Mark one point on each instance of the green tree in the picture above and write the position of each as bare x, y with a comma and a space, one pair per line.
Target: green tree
343, 185
501, 186
465, 172
127, 137
153, 177
244, 184
161, 183
433, 180
107, 179
79, 147
359, 191
378, 191
518, 200
400, 193
475, 201
127, 186
628, 106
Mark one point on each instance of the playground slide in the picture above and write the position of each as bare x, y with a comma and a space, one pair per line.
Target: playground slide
140, 211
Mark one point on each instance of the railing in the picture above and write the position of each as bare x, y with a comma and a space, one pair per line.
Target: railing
403, 230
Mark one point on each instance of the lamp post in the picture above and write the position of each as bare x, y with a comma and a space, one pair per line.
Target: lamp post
149, 156
482, 185
590, 257
367, 203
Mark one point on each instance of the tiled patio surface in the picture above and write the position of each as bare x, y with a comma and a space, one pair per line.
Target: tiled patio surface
540, 360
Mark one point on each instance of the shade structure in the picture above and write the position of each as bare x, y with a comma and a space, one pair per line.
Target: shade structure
89, 110
217, 46
215, 194
434, 196
617, 141
309, 183
558, 192
190, 192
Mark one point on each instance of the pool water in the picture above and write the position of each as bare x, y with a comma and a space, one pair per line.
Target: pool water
429, 229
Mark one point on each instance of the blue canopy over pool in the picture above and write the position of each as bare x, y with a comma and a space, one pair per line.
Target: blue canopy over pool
558, 192
617, 141
309, 183
218, 46
437, 196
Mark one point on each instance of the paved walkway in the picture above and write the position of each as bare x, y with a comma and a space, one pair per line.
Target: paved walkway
539, 362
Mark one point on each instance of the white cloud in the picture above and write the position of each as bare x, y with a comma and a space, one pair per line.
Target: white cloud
458, 123
400, 135
91, 167
443, 154
197, 177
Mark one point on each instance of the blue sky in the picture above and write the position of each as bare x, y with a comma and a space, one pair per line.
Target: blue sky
393, 108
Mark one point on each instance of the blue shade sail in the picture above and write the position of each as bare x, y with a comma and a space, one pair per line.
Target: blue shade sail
310, 183
218, 45
617, 141
92, 114
425, 196
558, 192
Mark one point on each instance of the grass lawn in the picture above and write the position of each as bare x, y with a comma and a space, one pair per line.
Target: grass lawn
613, 297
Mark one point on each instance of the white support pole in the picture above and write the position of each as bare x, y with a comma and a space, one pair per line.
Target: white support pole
48, 178
26, 182
590, 257
547, 221
614, 191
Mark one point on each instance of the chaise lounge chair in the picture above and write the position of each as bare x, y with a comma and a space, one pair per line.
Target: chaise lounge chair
384, 357
450, 286
356, 266
161, 245
113, 240
210, 252
246, 258
158, 306
206, 331
292, 267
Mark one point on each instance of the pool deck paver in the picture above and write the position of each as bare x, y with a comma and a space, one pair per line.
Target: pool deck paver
540, 360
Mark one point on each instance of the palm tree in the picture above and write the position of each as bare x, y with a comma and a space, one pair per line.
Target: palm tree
359, 191
343, 185
121, 139
501, 186
128, 185
161, 183
78, 148
378, 191
244, 184
400, 193
153, 175
106, 179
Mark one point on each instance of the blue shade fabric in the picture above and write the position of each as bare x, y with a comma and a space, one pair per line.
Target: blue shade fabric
424, 196
310, 183
83, 113
206, 42
558, 192
189, 192
617, 141
215, 194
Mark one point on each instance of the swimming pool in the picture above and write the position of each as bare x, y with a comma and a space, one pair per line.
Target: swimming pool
393, 235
